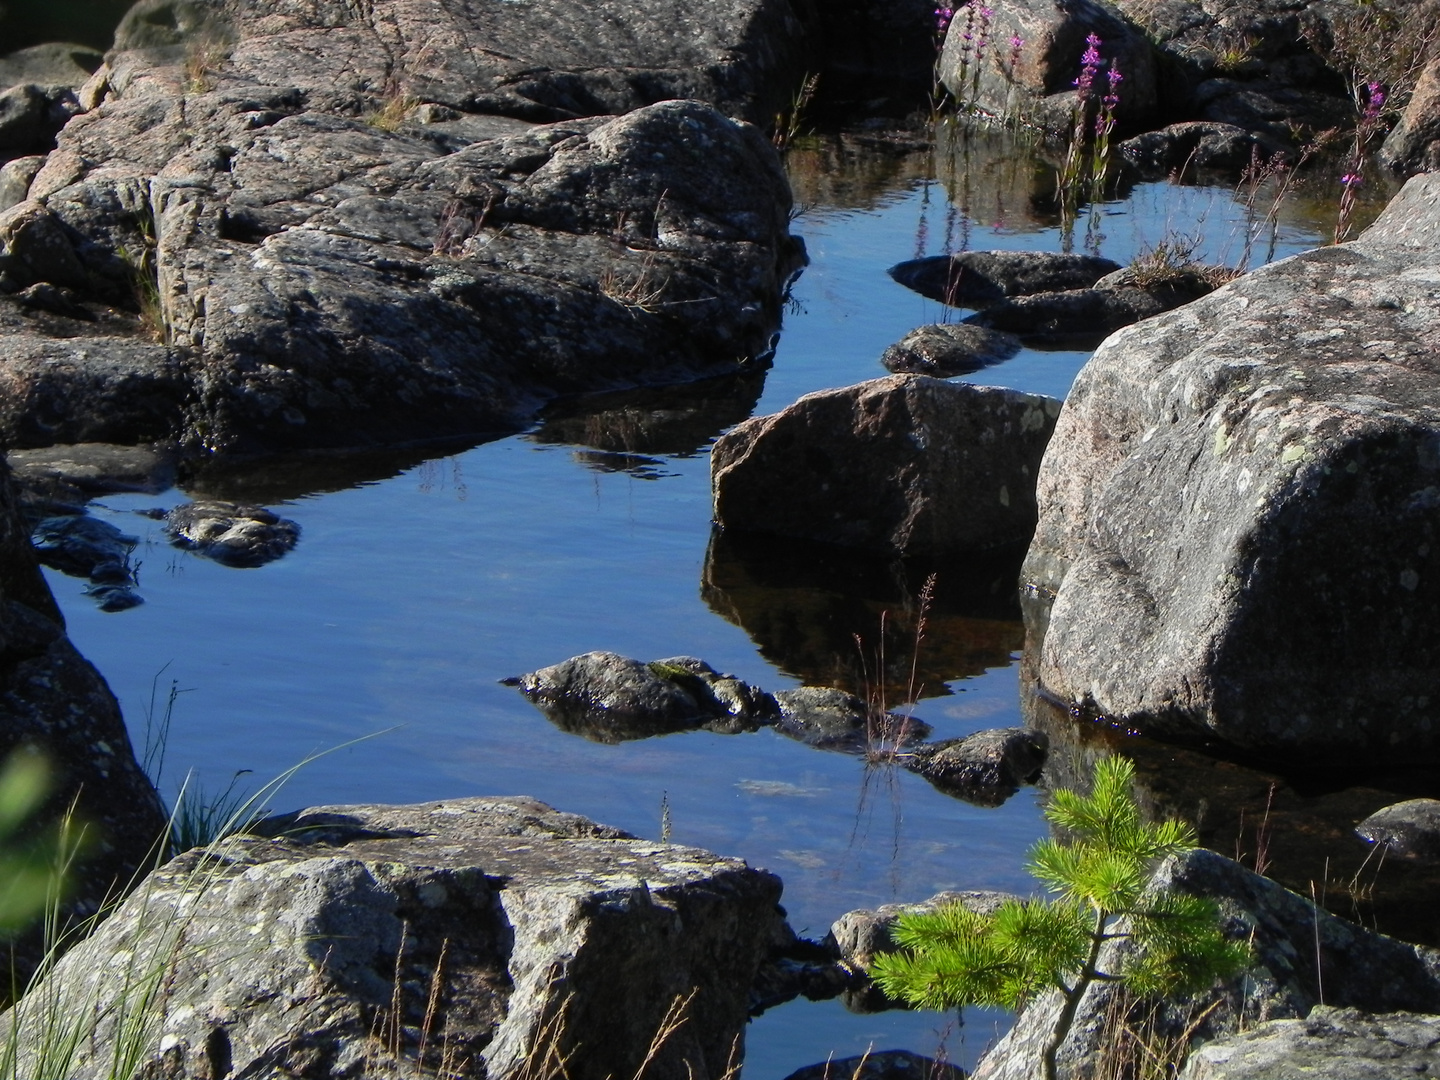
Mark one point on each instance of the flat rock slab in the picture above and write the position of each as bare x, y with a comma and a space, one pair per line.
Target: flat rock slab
1240, 509
487, 929
900, 465
1338, 1044
985, 768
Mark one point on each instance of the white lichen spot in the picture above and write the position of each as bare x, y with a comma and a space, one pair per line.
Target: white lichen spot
1149, 434
1004, 495
169, 1042
1293, 452
1222, 440
1409, 580
103, 746
1242, 482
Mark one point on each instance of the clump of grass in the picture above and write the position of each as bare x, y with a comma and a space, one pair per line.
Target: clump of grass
1172, 262
789, 121
201, 63
394, 107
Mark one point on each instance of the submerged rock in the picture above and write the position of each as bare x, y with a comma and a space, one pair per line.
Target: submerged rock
977, 279
900, 465
1338, 1044
946, 349
1238, 510
611, 698
232, 534
1410, 828
1298, 955
84, 546
1202, 146
445, 937
985, 768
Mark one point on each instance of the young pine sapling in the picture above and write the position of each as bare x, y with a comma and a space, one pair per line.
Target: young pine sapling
953, 956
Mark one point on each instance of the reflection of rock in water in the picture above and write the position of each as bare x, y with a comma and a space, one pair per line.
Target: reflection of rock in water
286, 477
1299, 827
805, 605
629, 427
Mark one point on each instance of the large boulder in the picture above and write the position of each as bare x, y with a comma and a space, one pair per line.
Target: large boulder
53, 701
1238, 511
1299, 956
1414, 144
347, 229
1029, 56
471, 937
901, 465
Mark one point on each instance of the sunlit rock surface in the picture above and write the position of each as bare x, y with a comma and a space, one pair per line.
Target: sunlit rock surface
375, 938
1240, 509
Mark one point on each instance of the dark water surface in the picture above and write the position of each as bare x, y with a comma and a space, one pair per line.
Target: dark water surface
418, 584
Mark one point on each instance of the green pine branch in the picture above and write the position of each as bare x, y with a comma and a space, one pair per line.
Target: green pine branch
953, 956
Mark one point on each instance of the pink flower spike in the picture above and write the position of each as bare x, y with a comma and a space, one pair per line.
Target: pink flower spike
1351, 179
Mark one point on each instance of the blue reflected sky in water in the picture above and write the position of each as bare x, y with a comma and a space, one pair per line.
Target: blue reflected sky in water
409, 597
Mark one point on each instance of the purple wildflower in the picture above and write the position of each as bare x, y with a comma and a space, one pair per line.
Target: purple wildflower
1376, 101
943, 15
1352, 179
1089, 65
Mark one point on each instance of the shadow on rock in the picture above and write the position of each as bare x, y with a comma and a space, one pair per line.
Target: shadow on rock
834, 617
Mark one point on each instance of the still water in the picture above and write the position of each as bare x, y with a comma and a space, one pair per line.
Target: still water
418, 584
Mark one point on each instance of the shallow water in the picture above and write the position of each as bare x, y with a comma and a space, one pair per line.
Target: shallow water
418, 584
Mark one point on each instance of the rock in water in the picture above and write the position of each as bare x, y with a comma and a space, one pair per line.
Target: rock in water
234, 534
905, 465
977, 279
481, 933
611, 698
1410, 828
985, 768
946, 349
1240, 509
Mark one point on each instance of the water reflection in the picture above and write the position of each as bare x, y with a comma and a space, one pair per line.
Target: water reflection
830, 617
626, 430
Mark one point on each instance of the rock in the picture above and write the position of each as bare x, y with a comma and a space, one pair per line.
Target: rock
611, 698
79, 472
1228, 521
985, 768
543, 61
946, 349
409, 292
1410, 828
15, 178
52, 700
1252, 65
830, 719
85, 547
43, 296
1413, 146
37, 244
857, 937
55, 63
881, 1065
1357, 968
900, 465
1338, 1044
462, 930
1035, 86
1201, 145
232, 534
87, 388
977, 279
1082, 318
30, 115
